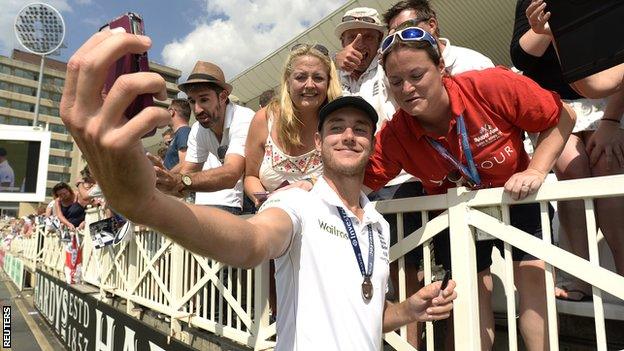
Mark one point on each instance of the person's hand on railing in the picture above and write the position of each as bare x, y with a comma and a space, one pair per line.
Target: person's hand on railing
432, 304
521, 184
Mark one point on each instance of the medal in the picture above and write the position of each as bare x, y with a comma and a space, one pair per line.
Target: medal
367, 289
367, 284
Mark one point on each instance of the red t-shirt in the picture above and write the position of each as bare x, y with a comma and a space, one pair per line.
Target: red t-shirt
497, 105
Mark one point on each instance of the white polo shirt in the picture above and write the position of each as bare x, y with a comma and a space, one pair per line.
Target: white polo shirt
6, 174
203, 148
372, 88
318, 280
458, 59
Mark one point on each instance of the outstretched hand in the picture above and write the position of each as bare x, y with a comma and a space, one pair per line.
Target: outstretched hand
110, 143
431, 304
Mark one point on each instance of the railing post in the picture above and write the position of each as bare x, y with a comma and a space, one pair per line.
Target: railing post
177, 286
464, 268
261, 304
132, 276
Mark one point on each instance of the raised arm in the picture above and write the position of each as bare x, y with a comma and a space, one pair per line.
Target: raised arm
112, 146
531, 37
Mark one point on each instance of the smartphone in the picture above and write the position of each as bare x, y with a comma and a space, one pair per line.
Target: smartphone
130, 63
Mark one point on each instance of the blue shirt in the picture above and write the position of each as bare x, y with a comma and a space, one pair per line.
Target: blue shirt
177, 143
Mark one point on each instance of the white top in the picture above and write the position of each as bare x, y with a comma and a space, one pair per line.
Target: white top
277, 166
458, 59
203, 148
6, 174
318, 280
371, 86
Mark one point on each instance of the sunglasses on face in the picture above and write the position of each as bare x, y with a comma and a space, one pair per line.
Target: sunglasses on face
366, 19
407, 35
318, 47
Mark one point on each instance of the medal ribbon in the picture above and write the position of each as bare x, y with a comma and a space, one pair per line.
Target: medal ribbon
356, 245
469, 172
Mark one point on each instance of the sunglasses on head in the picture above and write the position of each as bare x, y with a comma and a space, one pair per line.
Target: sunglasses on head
366, 19
407, 35
414, 22
320, 48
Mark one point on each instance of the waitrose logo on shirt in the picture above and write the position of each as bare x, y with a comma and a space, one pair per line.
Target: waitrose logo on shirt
332, 229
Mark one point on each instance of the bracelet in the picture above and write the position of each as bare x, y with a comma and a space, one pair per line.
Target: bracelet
610, 120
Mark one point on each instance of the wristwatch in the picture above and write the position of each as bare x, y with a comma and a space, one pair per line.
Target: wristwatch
186, 181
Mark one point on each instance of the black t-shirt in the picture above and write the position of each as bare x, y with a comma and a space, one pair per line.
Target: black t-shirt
545, 70
74, 213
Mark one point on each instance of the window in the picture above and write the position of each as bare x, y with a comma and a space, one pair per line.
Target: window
62, 145
59, 177
18, 72
58, 82
19, 121
51, 111
58, 128
5, 69
20, 89
60, 161
24, 106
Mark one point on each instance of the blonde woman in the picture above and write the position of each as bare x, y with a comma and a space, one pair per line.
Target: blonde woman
280, 143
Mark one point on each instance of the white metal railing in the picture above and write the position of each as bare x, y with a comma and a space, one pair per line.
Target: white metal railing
462, 214
150, 271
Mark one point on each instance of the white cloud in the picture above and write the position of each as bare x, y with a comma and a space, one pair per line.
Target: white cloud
10, 8
241, 32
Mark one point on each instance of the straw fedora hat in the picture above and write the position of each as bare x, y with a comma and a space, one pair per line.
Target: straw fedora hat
205, 72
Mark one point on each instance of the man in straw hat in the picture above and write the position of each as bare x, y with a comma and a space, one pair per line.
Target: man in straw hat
360, 32
215, 157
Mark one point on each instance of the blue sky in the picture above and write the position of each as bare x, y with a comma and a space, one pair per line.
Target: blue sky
231, 33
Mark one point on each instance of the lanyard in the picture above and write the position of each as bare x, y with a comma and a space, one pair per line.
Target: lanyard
471, 171
356, 246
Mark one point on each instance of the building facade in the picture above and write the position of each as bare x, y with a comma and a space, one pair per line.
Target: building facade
19, 75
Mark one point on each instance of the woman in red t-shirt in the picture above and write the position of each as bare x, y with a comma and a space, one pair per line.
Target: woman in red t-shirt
467, 130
